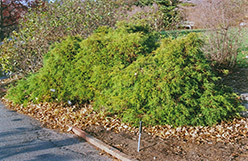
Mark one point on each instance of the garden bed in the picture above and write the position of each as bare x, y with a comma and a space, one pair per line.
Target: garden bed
225, 141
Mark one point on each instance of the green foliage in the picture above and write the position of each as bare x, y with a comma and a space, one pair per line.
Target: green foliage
178, 33
125, 72
76, 73
187, 4
41, 86
174, 86
242, 60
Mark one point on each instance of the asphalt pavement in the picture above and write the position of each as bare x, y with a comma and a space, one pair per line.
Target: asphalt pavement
23, 139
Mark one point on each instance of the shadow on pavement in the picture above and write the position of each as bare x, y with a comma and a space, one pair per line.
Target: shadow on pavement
19, 131
37, 145
53, 157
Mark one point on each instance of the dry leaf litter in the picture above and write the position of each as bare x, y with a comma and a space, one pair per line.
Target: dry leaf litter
61, 116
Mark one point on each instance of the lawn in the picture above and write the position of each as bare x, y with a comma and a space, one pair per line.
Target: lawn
242, 60
177, 33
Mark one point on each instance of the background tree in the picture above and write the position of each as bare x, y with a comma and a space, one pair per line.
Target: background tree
222, 18
159, 14
51, 23
11, 11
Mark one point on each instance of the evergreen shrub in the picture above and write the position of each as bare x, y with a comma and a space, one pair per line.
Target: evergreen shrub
175, 86
126, 72
79, 69
46, 84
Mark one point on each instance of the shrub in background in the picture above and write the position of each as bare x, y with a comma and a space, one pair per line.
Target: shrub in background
124, 72
51, 23
223, 46
12, 11
159, 14
225, 36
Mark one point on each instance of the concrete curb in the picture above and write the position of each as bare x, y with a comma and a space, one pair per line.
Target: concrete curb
101, 145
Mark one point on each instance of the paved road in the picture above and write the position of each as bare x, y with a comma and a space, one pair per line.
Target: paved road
22, 138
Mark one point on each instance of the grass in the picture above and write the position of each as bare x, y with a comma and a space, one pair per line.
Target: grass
187, 4
242, 61
177, 33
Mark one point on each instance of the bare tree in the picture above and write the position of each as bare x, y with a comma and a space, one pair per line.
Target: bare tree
222, 18
214, 14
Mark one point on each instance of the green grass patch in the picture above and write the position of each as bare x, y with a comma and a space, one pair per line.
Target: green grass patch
187, 4
242, 60
178, 33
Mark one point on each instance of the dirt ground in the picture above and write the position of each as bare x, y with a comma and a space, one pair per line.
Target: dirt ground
238, 80
155, 148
